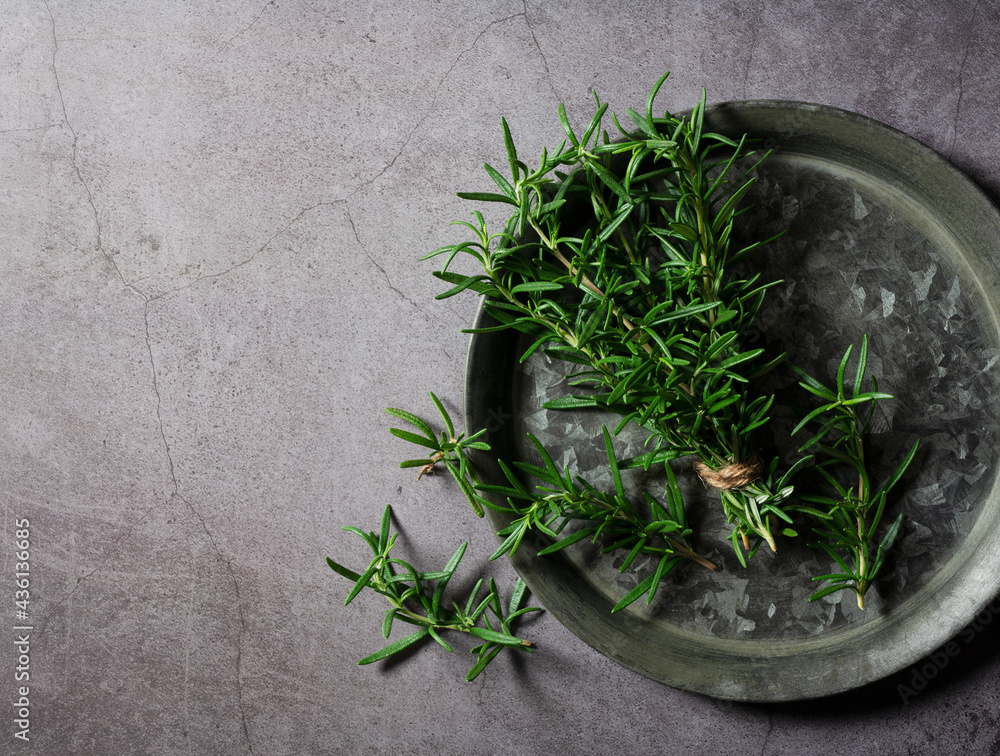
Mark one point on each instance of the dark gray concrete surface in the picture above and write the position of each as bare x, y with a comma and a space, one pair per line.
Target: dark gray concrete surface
211, 215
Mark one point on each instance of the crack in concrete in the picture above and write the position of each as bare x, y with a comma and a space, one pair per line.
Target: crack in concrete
754, 44
62, 104
433, 98
375, 262
248, 28
159, 399
244, 719
538, 46
246, 261
29, 129
99, 247
147, 299
188, 640
99, 244
961, 75
239, 658
324, 13
72, 131
767, 735
242, 616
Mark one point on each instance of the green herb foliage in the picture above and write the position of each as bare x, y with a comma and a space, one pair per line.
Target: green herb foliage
448, 449
617, 257
561, 498
417, 598
851, 517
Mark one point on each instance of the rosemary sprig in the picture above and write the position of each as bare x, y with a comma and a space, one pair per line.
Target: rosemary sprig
449, 449
851, 518
561, 498
416, 598
641, 292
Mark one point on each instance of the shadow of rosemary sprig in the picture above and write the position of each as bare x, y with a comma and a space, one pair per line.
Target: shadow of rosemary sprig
849, 520
416, 598
641, 294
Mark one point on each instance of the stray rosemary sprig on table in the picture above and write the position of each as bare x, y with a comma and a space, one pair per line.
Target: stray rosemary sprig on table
416, 598
449, 449
849, 524
617, 258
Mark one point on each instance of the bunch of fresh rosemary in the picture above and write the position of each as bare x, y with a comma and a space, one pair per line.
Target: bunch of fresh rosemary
617, 258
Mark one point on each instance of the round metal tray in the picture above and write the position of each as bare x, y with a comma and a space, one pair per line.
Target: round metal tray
884, 237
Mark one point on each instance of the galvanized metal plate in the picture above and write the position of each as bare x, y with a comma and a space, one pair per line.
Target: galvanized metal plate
884, 238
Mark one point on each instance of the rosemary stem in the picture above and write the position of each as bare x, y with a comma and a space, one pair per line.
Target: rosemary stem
859, 449
554, 249
676, 545
428, 622
700, 212
690, 553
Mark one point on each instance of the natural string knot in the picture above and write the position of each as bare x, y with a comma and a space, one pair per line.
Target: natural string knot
736, 475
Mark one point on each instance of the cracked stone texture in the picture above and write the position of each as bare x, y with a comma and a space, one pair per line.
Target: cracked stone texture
211, 216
